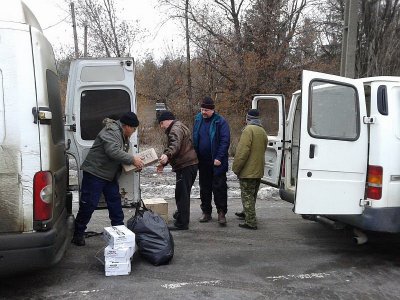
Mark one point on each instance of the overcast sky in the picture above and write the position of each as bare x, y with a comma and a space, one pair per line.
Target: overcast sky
54, 17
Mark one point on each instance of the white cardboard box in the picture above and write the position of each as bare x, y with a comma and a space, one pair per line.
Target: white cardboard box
114, 269
119, 253
116, 273
119, 237
148, 157
112, 260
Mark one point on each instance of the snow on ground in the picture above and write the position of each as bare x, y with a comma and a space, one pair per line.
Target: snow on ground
155, 185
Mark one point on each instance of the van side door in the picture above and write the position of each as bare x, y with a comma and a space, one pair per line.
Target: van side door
272, 113
333, 146
100, 89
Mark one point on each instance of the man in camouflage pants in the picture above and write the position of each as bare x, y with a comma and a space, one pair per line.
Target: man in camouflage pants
248, 165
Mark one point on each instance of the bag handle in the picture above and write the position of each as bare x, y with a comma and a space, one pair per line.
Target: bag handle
143, 205
140, 207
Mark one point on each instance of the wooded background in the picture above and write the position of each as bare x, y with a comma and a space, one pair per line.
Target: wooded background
237, 48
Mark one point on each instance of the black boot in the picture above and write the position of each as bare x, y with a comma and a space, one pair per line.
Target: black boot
78, 240
240, 215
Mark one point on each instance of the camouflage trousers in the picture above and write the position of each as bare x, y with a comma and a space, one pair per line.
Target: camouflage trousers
249, 189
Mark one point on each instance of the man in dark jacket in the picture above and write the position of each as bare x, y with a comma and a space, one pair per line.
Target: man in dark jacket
183, 159
211, 137
101, 170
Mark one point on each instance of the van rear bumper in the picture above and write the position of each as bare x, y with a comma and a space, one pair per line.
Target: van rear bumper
24, 252
385, 219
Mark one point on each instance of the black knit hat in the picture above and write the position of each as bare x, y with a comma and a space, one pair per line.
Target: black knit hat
129, 119
165, 115
207, 103
253, 113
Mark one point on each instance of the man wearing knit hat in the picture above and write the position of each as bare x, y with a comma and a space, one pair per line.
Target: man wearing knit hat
248, 165
211, 138
101, 170
183, 159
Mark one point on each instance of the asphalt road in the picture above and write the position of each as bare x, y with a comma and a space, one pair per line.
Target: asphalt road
287, 258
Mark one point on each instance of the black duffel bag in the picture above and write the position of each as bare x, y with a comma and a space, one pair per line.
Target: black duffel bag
154, 241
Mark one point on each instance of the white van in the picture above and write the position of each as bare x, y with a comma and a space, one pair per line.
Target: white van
35, 209
99, 89
337, 154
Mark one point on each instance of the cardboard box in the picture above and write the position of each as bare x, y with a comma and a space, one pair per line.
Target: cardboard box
119, 237
115, 269
118, 255
148, 157
118, 260
158, 205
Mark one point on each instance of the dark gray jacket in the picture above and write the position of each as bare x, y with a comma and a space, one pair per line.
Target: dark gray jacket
108, 152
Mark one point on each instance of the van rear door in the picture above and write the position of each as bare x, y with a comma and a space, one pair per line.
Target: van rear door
99, 89
272, 112
333, 146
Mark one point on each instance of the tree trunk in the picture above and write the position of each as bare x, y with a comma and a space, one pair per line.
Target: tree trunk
188, 73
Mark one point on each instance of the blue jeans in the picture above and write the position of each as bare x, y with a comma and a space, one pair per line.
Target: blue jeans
92, 187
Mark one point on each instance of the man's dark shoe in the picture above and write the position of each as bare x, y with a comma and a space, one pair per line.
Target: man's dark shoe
246, 226
176, 226
175, 215
240, 215
205, 218
78, 240
221, 218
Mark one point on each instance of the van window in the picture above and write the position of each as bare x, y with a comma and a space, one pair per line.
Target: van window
395, 108
333, 111
269, 112
102, 74
96, 105
382, 98
53, 93
2, 111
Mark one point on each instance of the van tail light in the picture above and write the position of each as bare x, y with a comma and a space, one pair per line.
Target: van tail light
374, 182
42, 196
283, 170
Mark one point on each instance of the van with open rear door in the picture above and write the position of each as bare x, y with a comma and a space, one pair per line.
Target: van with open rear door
99, 89
336, 155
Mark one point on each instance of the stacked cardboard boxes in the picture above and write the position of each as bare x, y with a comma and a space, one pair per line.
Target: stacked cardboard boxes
120, 249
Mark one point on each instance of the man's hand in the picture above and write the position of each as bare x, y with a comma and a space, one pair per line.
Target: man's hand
160, 168
138, 163
217, 162
163, 159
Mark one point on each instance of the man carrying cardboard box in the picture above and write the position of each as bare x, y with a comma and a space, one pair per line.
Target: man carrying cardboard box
101, 170
183, 159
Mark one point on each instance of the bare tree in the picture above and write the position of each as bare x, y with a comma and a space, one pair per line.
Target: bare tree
379, 38
107, 34
188, 72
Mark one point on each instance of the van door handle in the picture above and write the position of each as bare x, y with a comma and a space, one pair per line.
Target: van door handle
70, 127
312, 151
